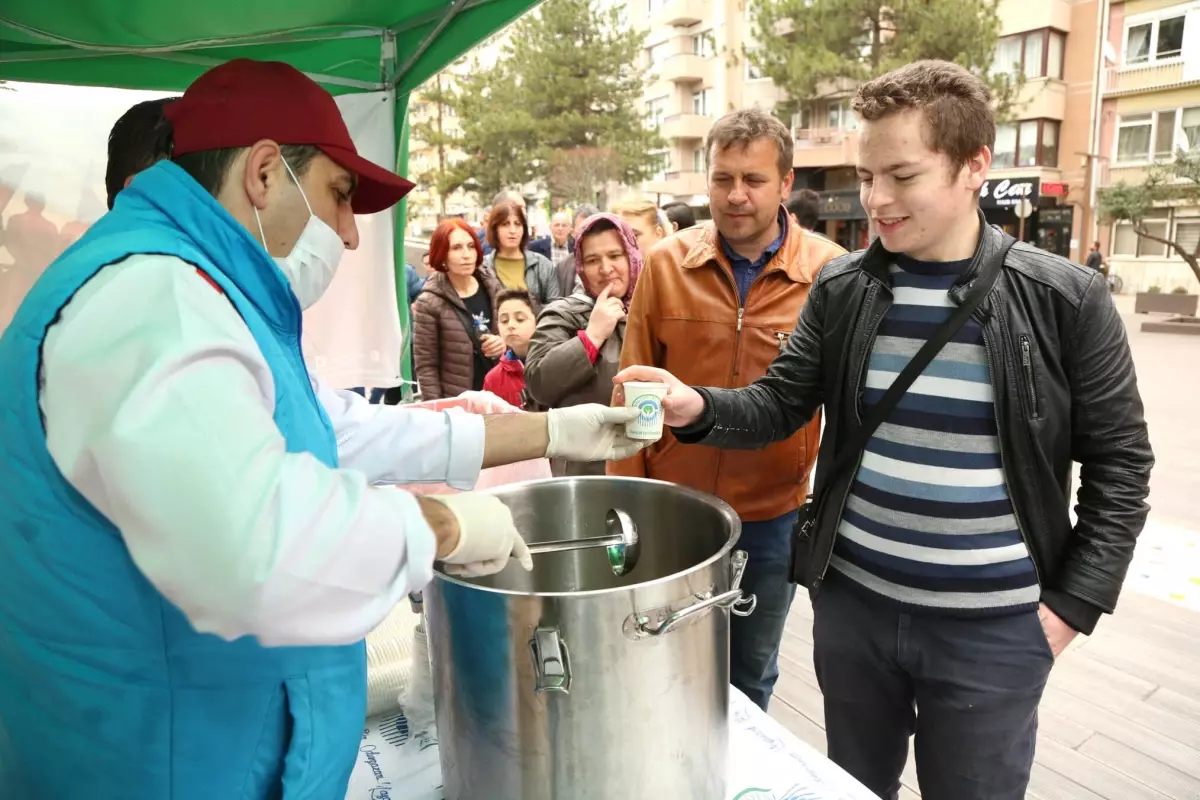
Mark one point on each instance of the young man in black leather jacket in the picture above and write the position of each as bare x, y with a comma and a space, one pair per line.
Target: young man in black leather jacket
945, 570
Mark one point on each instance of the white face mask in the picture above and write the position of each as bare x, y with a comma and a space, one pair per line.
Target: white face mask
311, 265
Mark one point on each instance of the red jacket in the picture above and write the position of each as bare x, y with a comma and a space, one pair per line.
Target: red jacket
506, 380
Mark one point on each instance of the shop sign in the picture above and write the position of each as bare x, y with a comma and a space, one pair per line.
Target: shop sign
1054, 189
1008, 192
842, 205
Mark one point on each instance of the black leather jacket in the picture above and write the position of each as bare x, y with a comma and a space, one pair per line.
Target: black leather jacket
1064, 388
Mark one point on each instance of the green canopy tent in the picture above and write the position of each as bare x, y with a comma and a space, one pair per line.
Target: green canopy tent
345, 45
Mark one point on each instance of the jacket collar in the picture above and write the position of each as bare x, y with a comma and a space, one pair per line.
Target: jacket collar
788, 259
876, 260
438, 283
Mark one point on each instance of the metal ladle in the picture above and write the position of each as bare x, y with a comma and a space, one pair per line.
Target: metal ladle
621, 542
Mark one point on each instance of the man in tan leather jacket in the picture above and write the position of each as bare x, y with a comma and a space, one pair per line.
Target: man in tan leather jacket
714, 306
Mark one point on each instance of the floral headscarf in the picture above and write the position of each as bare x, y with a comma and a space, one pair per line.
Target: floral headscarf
628, 241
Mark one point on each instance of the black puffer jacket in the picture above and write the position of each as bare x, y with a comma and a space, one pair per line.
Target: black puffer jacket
1064, 388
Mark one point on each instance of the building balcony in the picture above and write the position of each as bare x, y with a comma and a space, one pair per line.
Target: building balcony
685, 68
824, 147
1017, 16
1042, 98
679, 13
1142, 78
686, 126
1133, 174
679, 184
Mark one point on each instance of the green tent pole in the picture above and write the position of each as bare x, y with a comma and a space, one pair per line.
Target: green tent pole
400, 218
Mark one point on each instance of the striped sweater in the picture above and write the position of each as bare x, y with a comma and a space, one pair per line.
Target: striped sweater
928, 523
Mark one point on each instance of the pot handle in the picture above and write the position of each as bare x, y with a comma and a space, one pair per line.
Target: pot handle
551, 663
731, 600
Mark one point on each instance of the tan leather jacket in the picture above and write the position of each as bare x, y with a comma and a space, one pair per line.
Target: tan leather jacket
686, 318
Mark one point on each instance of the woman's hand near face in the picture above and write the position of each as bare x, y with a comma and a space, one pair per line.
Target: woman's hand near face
607, 312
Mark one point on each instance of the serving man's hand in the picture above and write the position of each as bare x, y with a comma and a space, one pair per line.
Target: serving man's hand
591, 432
486, 539
682, 404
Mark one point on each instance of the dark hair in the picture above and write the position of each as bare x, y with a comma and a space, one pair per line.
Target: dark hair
439, 243
680, 214
138, 140
956, 106
522, 295
500, 214
805, 205
209, 167
745, 126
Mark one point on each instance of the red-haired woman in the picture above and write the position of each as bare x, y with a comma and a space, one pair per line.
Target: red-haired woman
511, 262
454, 328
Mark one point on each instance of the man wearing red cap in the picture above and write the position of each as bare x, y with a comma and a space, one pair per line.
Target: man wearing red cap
190, 552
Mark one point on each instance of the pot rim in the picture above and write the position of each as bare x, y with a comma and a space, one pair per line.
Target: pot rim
722, 508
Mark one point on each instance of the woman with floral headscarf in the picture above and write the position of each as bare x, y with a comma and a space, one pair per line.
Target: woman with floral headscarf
576, 348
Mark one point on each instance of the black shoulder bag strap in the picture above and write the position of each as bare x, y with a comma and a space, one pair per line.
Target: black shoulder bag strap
850, 453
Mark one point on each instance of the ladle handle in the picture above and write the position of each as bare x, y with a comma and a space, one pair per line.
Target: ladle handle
537, 548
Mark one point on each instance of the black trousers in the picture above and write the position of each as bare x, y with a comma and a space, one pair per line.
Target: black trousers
967, 689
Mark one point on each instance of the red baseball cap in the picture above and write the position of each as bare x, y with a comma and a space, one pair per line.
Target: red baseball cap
244, 101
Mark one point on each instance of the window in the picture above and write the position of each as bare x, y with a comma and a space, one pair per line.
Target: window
704, 45
1189, 129
841, 117
1029, 143
1158, 227
1036, 54
1157, 135
1157, 40
1133, 137
802, 119
699, 160
1164, 136
1049, 154
654, 6
753, 73
1187, 233
1054, 55
656, 110
656, 54
1170, 38
1126, 242
701, 102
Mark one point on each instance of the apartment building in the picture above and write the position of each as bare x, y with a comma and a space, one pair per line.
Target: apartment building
1150, 110
697, 72
695, 51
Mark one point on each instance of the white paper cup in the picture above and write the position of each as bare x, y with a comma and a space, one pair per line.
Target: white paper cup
647, 398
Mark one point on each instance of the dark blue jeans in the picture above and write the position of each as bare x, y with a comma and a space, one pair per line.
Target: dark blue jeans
967, 688
754, 640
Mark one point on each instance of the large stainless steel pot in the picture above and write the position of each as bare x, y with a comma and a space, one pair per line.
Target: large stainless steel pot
572, 683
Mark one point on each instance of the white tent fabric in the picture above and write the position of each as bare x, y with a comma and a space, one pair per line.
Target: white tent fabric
53, 149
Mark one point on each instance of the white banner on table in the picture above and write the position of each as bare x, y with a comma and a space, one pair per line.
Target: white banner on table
766, 762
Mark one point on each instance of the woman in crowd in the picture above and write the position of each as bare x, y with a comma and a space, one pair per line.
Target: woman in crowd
576, 348
514, 313
511, 262
454, 329
646, 221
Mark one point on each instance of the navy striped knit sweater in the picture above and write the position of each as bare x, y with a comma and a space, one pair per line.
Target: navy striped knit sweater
929, 524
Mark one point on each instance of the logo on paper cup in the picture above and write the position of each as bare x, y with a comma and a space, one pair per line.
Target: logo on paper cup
649, 408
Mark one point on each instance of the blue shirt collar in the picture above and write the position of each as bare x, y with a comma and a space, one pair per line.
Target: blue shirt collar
739, 262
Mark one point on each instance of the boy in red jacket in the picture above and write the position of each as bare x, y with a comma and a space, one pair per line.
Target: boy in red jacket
514, 313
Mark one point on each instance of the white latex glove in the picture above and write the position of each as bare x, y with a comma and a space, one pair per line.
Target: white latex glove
487, 537
591, 432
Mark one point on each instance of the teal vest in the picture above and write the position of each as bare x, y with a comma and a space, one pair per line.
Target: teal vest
106, 690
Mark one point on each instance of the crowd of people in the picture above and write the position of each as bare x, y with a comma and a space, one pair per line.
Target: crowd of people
214, 532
